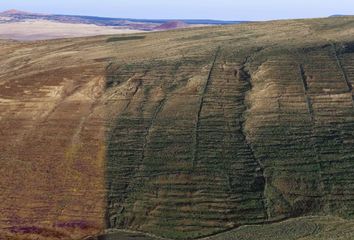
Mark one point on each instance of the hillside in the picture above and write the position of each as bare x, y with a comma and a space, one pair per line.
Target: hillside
233, 132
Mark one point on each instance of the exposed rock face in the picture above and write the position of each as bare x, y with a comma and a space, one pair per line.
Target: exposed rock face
180, 134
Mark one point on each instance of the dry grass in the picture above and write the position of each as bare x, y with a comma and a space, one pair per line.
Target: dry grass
42, 29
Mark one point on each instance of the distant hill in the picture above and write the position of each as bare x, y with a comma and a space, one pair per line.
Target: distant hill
172, 25
340, 15
21, 25
138, 24
15, 12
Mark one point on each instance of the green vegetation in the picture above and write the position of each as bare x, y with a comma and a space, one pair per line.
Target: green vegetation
307, 228
124, 38
251, 141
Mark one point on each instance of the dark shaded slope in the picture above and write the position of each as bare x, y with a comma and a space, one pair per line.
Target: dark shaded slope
266, 136
178, 159
307, 123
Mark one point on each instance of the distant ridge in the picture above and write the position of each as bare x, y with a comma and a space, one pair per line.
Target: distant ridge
14, 12
340, 15
172, 25
21, 25
107, 21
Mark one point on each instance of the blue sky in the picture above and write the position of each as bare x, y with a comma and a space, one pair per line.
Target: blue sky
191, 9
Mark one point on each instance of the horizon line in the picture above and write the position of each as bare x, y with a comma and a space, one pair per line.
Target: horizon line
165, 19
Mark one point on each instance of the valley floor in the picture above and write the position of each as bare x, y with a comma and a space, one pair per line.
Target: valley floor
42, 30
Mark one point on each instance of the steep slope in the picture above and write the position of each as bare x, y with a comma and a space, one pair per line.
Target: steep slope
182, 134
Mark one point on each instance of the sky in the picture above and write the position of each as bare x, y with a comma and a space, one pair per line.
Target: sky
187, 9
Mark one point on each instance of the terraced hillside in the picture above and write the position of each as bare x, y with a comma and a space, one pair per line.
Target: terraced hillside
181, 134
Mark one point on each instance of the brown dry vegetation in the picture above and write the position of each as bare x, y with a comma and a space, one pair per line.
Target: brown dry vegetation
43, 29
181, 134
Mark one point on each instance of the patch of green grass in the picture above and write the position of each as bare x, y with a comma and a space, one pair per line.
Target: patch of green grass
128, 38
